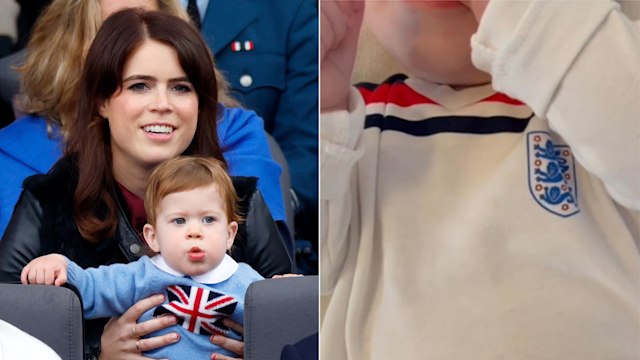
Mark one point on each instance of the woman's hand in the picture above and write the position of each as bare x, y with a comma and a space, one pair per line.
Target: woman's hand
121, 336
235, 346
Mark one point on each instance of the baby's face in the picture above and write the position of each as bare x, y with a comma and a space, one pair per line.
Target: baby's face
192, 231
430, 38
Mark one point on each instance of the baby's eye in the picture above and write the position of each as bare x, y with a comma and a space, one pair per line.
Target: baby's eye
179, 221
138, 86
208, 219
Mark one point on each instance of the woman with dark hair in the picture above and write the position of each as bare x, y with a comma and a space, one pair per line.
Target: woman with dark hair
49, 87
148, 94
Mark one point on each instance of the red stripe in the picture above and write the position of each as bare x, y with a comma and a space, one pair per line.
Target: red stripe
226, 299
502, 98
191, 312
179, 293
196, 306
399, 94
210, 328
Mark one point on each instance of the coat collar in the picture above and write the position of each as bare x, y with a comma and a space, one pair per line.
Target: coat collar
225, 19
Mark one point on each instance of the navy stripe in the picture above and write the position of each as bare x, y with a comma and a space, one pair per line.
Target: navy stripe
451, 124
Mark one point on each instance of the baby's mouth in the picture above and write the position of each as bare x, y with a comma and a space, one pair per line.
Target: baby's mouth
196, 254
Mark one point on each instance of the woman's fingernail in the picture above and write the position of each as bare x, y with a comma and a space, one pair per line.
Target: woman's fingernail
213, 357
175, 337
174, 320
160, 297
212, 339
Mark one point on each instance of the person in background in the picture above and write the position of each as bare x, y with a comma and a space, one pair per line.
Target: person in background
8, 26
133, 113
268, 51
485, 206
9, 11
193, 220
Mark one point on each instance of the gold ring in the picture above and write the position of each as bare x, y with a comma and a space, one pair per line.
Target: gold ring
133, 331
137, 348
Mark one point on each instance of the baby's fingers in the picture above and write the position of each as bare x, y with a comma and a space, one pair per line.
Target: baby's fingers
49, 276
24, 275
61, 278
32, 276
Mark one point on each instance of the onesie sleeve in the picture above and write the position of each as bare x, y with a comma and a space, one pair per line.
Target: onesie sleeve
576, 64
339, 154
107, 290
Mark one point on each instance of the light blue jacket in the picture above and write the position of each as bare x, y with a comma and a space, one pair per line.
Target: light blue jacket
111, 290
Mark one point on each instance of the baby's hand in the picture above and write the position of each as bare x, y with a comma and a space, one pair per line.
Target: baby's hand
45, 270
340, 22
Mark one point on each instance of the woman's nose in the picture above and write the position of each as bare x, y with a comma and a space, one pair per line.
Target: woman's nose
161, 102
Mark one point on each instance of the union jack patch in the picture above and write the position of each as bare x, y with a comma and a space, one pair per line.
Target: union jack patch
198, 310
552, 174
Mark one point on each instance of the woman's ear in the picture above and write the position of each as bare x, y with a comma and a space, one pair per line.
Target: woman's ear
104, 109
232, 230
150, 237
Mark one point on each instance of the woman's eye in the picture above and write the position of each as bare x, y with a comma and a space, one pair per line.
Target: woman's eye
179, 221
182, 88
138, 86
208, 219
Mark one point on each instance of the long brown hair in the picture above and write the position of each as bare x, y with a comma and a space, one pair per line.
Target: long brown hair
95, 208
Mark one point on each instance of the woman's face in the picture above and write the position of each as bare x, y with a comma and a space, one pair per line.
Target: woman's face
108, 7
154, 116
430, 38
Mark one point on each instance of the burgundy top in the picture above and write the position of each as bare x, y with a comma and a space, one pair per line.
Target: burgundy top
134, 208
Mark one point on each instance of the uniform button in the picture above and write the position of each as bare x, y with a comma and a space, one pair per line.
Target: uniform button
134, 248
246, 80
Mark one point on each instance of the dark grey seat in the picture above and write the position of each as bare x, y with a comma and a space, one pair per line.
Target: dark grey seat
50, 313
279, 312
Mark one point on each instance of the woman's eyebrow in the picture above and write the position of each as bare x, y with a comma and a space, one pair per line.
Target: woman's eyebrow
152, 78
139, 77
179, 79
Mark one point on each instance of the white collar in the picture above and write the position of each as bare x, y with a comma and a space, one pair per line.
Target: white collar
222, 272
446, 96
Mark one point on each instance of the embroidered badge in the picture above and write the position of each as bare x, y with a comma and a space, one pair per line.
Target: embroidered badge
552, 174
199, 310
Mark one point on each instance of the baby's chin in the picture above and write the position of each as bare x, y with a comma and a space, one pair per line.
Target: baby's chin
458, 78
196, 270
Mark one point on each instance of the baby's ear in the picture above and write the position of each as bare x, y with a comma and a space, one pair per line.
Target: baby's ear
232, 230
150, 237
